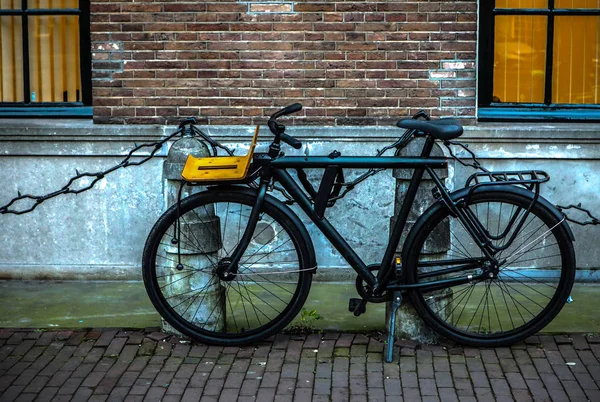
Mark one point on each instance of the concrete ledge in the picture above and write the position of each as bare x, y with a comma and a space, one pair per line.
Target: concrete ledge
49, 137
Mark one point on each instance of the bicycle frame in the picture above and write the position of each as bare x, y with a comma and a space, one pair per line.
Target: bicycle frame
276, 169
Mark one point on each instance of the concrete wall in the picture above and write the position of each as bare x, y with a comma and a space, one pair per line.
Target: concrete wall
101, 233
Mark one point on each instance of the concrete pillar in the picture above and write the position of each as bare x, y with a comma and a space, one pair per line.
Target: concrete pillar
408, 324
208, 310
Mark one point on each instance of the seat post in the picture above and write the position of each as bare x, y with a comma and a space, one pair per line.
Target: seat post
428, 146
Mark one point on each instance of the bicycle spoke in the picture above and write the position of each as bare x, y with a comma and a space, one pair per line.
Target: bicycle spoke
200, 248
496, 310
243, 304
513, 300
185, 293
475, 314
225, 226
528, 298
232, 312
531, 279
184, 265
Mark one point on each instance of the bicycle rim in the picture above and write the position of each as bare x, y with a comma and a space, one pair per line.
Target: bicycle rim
266, 292
533, 282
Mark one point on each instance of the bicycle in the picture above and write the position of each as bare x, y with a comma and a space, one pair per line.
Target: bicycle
487, 265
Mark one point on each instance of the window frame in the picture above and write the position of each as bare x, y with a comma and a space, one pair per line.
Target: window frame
81, 109
512, 111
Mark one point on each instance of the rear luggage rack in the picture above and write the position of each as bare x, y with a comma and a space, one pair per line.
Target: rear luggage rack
526, 178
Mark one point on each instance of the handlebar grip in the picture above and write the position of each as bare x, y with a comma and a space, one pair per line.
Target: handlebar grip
294, 143
296, 107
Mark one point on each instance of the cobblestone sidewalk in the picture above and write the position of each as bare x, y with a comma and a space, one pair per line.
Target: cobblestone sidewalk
114, 365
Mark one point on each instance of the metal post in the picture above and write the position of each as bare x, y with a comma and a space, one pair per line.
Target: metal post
408, 324
209, 308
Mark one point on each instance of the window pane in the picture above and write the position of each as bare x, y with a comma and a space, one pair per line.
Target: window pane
10, 4
11, 56
54, 58
577, 4
53, 3
519, 58
576, 60
522, 3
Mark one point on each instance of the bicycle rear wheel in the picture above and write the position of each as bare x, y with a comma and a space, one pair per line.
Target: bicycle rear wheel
534, 280
181, 257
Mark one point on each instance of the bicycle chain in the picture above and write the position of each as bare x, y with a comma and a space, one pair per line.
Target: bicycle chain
157, 145
72, 188
593, 220
477, 165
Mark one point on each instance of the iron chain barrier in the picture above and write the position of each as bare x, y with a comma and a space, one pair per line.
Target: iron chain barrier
79, 183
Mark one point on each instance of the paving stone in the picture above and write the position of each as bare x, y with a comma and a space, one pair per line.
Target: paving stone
580, 342
135, 338
118, 394
105, 338
76, 338
346, 367
85, 394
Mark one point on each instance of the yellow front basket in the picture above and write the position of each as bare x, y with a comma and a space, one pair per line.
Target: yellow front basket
219, 168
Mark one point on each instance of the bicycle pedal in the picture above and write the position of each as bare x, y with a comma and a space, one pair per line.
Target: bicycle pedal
357, 306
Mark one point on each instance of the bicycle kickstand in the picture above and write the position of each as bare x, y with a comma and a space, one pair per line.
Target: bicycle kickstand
396, 302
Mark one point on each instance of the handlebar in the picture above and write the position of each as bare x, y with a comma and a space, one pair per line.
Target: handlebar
296, 107
279, 129
288, 139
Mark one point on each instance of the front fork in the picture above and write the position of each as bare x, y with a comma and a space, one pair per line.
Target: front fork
228, 267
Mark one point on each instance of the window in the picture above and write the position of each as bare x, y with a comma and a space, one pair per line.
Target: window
539, 59
45, 58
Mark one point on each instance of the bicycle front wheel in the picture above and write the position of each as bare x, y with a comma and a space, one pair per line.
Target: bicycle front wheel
184, 249
528, 290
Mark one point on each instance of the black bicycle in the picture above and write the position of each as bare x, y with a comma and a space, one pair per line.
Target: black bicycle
487, 265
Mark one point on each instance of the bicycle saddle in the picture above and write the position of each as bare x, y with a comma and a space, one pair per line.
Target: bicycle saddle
440, 129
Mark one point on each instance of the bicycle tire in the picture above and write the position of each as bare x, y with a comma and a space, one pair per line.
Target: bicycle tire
528, 280
259, 301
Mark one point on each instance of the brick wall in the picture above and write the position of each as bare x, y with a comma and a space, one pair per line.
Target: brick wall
234, 62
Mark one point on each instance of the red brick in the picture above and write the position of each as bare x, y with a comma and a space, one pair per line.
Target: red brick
164, 54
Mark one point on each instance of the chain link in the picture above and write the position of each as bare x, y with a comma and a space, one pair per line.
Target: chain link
77, 184
593, 220
72, 186
477, 165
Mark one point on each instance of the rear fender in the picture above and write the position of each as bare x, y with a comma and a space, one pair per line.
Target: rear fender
464, 192
457, 195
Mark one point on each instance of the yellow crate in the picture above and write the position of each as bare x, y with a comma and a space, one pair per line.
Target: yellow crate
219, 168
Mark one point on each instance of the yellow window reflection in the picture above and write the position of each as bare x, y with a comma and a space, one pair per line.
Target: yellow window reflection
521, 3
519, 58
52, 3
11, 57
576, 60
570, 4
54, 58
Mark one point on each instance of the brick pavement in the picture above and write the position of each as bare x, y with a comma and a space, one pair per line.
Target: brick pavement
122, 365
